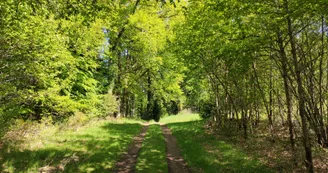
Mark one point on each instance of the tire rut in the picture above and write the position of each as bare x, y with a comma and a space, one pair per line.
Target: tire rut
128, 160
175, 162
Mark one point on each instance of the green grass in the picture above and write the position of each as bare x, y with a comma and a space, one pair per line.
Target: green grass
180, 118
96, 148
206, 153
92, 149
152, 157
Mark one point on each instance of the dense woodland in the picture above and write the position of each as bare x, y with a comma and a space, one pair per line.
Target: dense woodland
239, 63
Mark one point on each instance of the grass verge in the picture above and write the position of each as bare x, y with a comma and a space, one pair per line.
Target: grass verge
152, 157
93, 148
205, 153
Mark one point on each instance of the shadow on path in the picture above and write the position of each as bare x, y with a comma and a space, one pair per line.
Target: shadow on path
152, 156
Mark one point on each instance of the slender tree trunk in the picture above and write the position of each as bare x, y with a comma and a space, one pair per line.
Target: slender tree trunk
321, 64
321, 85
301, 94
149, 96
244, 119
287, 93
268, 106
257, 121
244, 112
270, 103
118, 84
127, 103
323, 40
217, 105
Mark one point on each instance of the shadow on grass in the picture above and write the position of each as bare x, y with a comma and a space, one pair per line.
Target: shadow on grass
152, 156
91, 150
205, 153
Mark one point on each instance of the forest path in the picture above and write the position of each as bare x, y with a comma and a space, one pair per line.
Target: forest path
176, 163
128, 160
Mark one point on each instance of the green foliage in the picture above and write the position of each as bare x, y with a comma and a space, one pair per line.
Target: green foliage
109, 105
78, 119
145, 68
59, 58
172, 108
49, 58
206, 109
153, 112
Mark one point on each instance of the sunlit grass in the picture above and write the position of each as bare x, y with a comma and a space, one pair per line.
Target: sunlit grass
203, 152
180, 118
94, 148
152, 157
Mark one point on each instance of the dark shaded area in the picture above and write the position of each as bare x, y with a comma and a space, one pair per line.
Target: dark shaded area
207, 109
172, 108
152, 112
100, 154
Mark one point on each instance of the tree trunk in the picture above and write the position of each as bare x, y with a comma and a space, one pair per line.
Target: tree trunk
217, 105
301, 94
283, 60
244, 119
149, 96
270, 102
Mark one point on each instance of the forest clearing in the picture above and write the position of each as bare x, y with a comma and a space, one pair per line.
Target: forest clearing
164, 86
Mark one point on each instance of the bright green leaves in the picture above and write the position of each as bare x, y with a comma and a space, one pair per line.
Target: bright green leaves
216, 42
54, 61
148, 74
35, 52
49, 57
148, 35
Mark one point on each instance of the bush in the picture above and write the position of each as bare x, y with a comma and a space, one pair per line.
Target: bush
29, 132
206, 109
109, 105
172, 108
78, 119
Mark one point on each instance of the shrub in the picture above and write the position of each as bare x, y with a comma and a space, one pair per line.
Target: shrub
78, 119
109, 105
206, 109
172, 108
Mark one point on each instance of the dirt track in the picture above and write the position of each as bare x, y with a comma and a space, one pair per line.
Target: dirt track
128, 161
175, 162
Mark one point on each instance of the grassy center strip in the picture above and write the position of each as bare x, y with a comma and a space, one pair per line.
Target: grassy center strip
152, 156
